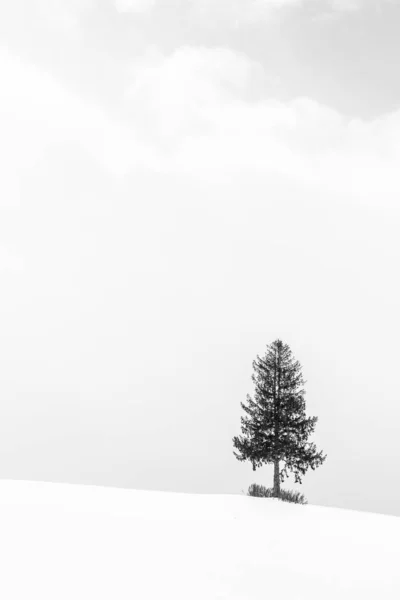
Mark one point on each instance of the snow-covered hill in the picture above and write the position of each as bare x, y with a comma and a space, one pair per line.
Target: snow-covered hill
65, 542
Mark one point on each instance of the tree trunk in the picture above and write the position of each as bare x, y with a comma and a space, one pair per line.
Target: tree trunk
277, 480
277, 392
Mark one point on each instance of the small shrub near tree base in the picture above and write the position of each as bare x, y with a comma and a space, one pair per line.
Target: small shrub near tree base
259, 491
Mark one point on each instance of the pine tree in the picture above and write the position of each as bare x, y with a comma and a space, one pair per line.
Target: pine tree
275, 428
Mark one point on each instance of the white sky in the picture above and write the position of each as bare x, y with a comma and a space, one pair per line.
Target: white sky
178, 189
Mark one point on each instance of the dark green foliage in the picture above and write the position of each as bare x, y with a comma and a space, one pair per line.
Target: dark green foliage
259, 491
275, 428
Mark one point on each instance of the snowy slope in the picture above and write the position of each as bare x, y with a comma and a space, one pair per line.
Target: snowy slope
78, 543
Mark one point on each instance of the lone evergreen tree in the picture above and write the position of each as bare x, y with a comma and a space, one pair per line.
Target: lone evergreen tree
275, 428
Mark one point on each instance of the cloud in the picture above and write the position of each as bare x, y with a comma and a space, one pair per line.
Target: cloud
41, 15
10, 261
237, 11
205, 112
134, 6
347, 5
209, 13
199, 111
37, 114
60, 13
